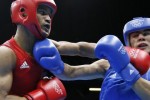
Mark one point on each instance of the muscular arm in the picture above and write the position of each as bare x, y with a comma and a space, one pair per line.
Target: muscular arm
85, 72
83, 49
7, 61
142, 88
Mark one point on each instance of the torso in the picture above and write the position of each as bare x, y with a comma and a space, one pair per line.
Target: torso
115, 88
27, 71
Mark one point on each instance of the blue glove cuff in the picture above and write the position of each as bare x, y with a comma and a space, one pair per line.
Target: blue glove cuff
130, 74
59, 69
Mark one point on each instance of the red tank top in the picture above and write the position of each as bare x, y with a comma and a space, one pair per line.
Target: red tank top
27, 72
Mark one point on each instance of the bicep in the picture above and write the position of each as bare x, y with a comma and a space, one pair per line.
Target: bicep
84, 49
5, 83
5, 86
7, 62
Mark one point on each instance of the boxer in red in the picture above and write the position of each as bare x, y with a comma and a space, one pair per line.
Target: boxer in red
20, 75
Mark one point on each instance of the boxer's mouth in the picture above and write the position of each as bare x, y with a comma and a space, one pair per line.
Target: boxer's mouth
46, 27
142, 45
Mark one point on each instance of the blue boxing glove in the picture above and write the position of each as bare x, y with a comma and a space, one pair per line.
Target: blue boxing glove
47, 55
111, 48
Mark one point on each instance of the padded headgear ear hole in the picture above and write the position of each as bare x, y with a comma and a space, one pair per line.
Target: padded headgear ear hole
22, 11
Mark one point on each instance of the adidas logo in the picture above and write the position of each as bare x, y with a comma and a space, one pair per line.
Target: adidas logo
24, 65
113, 76
131, 71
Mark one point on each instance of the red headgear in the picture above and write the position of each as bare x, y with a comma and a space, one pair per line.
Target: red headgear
24, 12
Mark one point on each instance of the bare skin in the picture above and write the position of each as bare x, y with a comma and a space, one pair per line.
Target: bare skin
84, 49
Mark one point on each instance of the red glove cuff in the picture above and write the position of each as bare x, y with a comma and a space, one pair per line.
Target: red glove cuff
48, 89
36, 95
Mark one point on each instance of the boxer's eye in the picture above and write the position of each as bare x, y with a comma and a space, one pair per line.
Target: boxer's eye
134, 34
42, 12
146, 33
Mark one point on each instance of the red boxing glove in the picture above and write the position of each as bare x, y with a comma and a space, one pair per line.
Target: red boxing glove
48, 89
139, 58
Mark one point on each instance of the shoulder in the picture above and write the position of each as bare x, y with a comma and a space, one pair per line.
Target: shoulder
7, 57
6, 51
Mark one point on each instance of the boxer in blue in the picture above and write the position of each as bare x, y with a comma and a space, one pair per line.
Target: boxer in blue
118, 84
123, 81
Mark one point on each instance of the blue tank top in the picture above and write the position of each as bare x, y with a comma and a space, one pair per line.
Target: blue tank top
115, 88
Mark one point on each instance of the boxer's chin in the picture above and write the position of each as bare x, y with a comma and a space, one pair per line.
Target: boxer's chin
45, 34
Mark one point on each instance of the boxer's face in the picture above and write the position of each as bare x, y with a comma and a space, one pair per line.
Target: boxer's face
141, 40
43, 16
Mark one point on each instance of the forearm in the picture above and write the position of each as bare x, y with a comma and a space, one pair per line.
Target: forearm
13, 97
79, 73
142, 88
85, 72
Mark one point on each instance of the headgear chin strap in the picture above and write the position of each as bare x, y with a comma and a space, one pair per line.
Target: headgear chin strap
138, 23
24, 12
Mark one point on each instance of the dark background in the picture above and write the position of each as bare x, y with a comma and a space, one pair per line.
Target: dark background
83, 20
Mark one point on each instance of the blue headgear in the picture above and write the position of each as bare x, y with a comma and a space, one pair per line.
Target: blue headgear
138, 23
